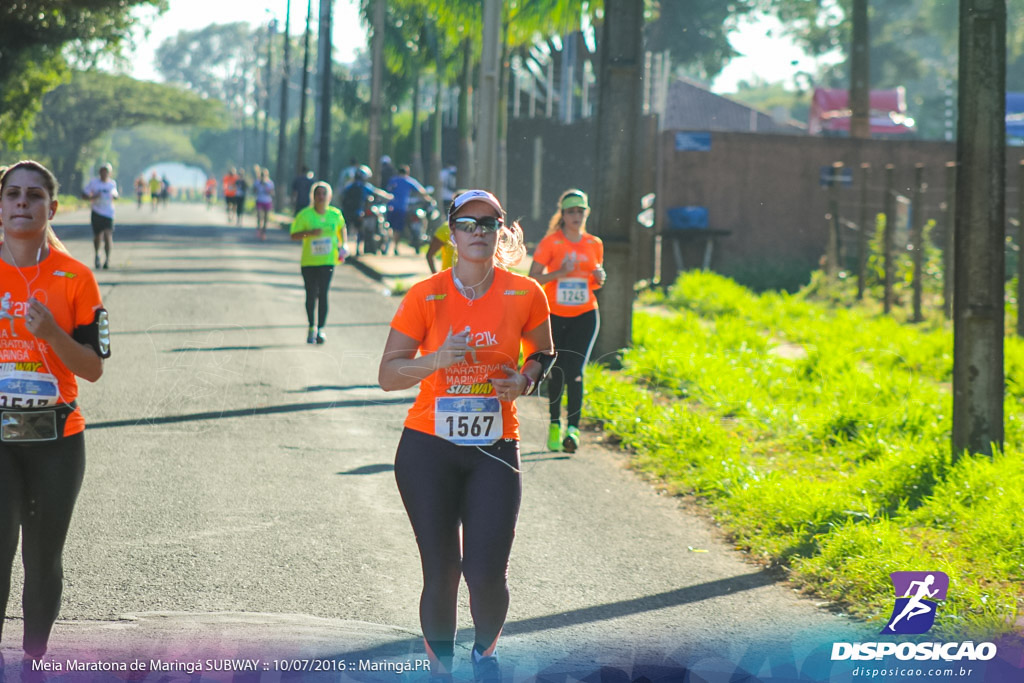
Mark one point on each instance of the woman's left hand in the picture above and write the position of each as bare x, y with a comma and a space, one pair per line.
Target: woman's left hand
512, 387
38, 319
599, 275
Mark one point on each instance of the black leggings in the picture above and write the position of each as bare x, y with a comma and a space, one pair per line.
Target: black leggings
39, 484
574, 339
443, 486
317, 280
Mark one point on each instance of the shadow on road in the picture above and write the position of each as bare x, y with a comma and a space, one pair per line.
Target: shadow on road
579, 666
328, 387
368, 469
204, 349
167, 329
680, 596
248, 412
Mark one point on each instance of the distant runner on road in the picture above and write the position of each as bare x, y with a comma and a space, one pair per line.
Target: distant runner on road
568, 262
229, 189
322, 231
458, 335
155, 188
62, 332
263, 188
102, 192
210, 191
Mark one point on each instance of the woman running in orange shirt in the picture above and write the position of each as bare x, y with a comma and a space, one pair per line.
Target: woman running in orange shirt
59, 327
458, 335
568, 263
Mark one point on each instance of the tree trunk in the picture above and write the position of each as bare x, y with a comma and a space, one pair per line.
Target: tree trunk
417, 135
467, 172
978, 308
437, 149
377, 84
281, 174
323, 165
860, 74
300, 155
501, 171
490, 79
616, 198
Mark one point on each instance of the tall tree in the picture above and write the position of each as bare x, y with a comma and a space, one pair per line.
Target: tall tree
978, 299
696, 32
617, 158
93, 103
33, 36
135, 149
281, 173
214, 61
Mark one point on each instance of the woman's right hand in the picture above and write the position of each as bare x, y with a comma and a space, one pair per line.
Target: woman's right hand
453, 350
568, 265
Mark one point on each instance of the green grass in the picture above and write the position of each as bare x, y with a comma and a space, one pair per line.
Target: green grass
818, 436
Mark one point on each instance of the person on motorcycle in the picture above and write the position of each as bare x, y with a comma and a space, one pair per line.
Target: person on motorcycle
403, 187
355, 198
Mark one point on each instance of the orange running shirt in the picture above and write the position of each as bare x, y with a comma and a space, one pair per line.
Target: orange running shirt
228, 184
458, 403
28, 365
573, 294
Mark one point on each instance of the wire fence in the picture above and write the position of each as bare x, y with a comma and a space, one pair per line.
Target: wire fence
899, 240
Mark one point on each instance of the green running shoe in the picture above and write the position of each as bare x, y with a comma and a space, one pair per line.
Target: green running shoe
311, 336
572, 440
555, 437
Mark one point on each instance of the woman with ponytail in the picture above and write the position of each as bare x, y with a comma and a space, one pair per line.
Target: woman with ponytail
52, 316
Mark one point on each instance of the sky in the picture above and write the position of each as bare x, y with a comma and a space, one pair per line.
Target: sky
765, 53
190, 15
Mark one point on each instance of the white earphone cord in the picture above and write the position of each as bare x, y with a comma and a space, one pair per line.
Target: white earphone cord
494, 457
28, 295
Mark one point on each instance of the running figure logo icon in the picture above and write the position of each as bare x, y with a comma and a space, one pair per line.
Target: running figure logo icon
5, 311
917, 595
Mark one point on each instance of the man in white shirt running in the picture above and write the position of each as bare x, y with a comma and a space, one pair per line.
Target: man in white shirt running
102, 192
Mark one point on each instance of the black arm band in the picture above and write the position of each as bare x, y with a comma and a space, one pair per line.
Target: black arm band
546, 359
96, 334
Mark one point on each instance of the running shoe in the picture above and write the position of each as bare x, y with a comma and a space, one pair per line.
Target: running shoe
572, 440
485, 669
554, 437
321, 338
106, 265
97, 262
311, 336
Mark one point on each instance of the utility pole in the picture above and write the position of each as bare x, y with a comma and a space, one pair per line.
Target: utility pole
377, 84
978, 309
617, 159
281, 176
436, 156
300, 157
860, 74
323, 119
490, 80
271, 32
466, 157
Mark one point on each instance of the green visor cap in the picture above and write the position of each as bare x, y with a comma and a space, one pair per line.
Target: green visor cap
574, 200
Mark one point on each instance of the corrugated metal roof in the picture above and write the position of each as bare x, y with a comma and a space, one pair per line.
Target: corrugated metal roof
690, 106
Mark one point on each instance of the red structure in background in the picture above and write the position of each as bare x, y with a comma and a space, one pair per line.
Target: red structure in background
830, 112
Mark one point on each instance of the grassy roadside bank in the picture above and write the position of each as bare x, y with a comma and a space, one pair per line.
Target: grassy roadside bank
819, 439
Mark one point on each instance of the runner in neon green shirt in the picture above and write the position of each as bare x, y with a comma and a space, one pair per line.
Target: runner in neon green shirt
322, 231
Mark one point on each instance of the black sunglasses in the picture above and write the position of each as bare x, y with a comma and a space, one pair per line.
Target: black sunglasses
487, 224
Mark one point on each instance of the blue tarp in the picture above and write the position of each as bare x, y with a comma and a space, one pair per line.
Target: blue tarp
1015, 114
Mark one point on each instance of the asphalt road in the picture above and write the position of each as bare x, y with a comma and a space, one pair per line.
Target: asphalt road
240, 499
